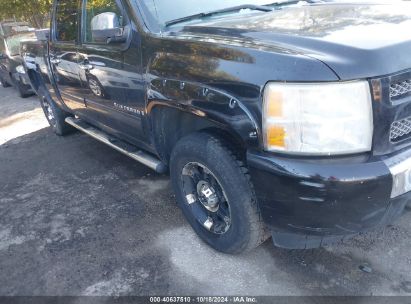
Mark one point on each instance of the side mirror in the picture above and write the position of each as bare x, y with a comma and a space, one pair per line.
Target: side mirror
106, 28
43, 35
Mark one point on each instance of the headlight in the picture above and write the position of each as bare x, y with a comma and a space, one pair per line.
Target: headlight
318, 119
20, 69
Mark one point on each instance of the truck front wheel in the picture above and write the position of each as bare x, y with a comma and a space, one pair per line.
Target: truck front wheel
214, 191
23, 92
55, 116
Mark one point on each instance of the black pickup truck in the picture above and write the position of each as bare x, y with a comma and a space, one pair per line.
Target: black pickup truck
290, 119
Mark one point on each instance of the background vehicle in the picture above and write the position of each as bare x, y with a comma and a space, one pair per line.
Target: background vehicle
10, 27
11, 62
284, 119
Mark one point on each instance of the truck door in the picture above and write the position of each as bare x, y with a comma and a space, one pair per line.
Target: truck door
111, 72
64, 57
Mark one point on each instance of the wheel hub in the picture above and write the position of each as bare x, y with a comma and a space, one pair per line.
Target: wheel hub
95, 88
207, 196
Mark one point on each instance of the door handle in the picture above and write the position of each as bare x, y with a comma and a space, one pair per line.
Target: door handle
55, 61
86, 66
98, 63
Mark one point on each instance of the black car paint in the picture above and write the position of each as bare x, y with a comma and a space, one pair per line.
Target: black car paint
210, 75
357, 41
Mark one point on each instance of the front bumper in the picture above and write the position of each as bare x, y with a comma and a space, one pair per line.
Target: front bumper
308, 203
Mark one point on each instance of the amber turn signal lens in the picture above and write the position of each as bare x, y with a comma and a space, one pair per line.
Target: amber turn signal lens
276, 136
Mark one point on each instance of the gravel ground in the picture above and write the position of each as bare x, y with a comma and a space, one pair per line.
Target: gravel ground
77, 218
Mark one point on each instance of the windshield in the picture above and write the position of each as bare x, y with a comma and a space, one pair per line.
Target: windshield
13, 42
166, 10
14, 27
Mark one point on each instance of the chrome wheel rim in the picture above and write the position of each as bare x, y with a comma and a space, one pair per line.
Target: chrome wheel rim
95, 87
206, 198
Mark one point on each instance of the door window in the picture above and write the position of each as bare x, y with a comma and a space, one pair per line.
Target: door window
101, 15
67, 20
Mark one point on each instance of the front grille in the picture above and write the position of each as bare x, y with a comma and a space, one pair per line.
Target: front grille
400, 88
400, 129
392, 113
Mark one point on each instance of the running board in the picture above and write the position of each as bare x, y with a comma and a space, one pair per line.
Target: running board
121, 146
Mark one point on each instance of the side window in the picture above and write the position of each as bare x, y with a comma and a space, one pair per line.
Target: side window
66, 20
72, 57
101, 17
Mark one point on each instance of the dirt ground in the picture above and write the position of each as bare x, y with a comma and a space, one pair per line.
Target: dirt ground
77, 218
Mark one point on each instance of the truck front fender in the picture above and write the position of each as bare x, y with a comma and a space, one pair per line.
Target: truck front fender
177, 108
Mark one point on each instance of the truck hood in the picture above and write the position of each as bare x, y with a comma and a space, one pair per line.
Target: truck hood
354, 40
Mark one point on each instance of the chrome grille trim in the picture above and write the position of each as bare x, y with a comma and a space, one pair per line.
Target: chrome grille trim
400, 88
400, 129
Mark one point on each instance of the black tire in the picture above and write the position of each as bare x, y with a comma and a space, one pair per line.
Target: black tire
54, 114
247, 230
4, 83
23, 92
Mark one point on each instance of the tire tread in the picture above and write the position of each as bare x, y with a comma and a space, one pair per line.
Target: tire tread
260, 233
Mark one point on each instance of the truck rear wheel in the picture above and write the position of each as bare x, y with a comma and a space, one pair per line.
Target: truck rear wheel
215, 193
55, 115
4, 83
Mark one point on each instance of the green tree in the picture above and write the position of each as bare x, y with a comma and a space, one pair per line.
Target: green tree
37, 12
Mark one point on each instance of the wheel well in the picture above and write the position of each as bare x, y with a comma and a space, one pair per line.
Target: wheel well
170, 125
